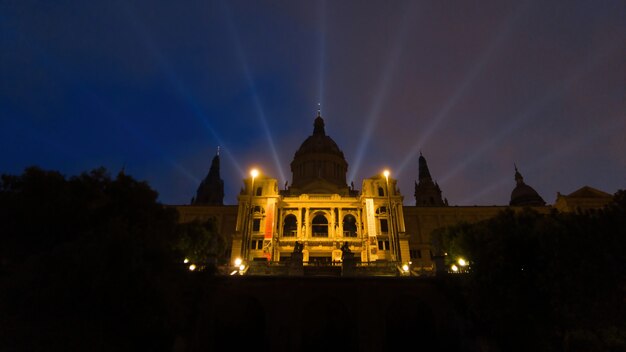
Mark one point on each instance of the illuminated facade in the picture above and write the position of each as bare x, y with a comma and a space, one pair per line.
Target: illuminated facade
322, 213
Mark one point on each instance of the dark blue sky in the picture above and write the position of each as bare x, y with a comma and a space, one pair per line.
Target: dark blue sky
477, 86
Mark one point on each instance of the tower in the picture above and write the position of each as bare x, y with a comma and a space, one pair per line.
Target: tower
211, 189
427, 192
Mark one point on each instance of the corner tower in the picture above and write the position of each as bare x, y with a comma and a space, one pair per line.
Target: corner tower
427, 192
318, 165
211, 189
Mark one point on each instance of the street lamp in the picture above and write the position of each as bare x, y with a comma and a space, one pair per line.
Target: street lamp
394, 245
249, 214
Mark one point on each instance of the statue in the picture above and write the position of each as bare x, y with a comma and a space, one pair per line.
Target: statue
298, 247
345, 250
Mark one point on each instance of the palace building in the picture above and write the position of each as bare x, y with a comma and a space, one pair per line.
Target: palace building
320, 216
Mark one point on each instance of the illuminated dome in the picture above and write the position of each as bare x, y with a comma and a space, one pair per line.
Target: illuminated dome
523, 194
319, 165
319, 142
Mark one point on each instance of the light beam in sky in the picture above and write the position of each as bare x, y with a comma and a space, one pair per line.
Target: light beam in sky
531, 113
179, 87
461, 89
322, 50
386, 78
255, 96
574, 145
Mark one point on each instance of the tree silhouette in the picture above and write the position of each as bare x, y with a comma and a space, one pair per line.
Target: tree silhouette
546, 282
88, 263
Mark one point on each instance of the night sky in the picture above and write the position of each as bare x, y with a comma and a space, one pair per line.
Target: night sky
155, 86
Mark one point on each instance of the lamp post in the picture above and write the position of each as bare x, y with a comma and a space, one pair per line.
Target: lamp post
393, 243
249, 214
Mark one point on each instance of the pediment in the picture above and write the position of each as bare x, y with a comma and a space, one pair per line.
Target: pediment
589, 192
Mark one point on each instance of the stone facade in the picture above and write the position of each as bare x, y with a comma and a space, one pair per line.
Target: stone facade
321, 212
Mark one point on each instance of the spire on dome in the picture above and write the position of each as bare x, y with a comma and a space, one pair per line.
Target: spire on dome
519, 179
318, 125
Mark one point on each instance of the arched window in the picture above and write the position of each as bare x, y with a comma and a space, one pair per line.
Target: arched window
349, 226
320, 226
381, 192
290, 226
259, 191
381, 210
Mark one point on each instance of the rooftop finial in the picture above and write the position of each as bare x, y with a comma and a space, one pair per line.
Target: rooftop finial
518, 176
319, 109
218, 150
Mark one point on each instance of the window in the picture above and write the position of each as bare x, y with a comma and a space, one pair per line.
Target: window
384, 228
383, 245
290, 226
320, 226
349, 226
381, 210
259, 191
415, 254
381, 192
256, 225
256, 244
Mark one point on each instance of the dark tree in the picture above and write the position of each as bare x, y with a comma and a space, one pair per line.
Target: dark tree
87, 264
554, 282
200, 242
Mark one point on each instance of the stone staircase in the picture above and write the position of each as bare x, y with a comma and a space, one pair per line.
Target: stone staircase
322, 270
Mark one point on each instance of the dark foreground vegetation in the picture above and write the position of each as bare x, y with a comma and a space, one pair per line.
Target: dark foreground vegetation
552, 282
94, 263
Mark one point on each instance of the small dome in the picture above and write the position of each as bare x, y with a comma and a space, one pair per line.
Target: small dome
523, 194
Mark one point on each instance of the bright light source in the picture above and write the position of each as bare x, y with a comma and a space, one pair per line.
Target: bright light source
454, 268
462, 262
238, 262
241, 267
192, 267
405, 267
186, 261
233, 272
254, 172
386, 173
